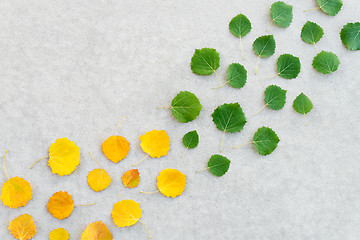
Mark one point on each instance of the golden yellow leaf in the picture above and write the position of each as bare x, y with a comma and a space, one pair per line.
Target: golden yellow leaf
155, 143
115, 148
23, 227
96, 231
126, 213
171, 182
131, 178
59, 234
16, 192
60, 205
98, 179
64, 156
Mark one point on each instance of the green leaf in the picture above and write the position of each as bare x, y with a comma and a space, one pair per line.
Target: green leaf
330, 7
281, 14
191, 139
302, 104
326, 62
350, 36
275, 97
236, 75
185, 107
229, 117
265, 140
264, 46
288, 66
240, 25
205, 61
311, 32
218, 165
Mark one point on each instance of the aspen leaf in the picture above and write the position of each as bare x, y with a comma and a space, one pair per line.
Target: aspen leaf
131, 178
155, 143
205, 61
264, 47
281, 14
59, 234
311, 32
302, 104
185, 107
126, 213
229, 117
15, 192
288, 66
240, 26
98, 179
265, 140
330, 7
350, 36
23, 227
191, 139
96, 231
60, 205
326, 63
275, 97
171, 182
236, 75
218, 165
115, 148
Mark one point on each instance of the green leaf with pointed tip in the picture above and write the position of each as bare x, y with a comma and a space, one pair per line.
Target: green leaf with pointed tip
229, 117
265, 140
205, 61
302, 104
288, 66
326, 62
350, 36
281, 14
264, 46
236, 75
191, 139
330, 7
311, 32
218, 165
275, 97
185, 107
240, 25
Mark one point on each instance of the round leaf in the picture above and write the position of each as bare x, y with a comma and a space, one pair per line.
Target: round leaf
265, 140
98, 179
236, 75
240, 25
126, 213
185, 107
23, 227
16, 192
350, 36
218, 165
115, 148
96, 231
229, 117
59, 234
156, 143
302, 104
131, 178
326, 62
191, 139
171, 182
311, 32
264, 46
205, 61
275, 97
288, 66
60, 205
330, 7
281, 14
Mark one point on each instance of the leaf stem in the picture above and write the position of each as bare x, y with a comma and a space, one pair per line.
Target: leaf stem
241, 49
38, 161
121, 191
257, 65
140, 160
183, 153
331, 77
260, 110
83, 205
117, 130
221, 85
202, 170
222, 141
242, 145
4, 165
145, 228
150, 192
268, 28
306, 124
218, 78
273, 76
95, 160
164, 107
315, 47
312, 9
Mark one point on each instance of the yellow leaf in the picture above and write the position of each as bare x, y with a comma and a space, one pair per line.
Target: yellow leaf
96, 231
16, 192
60, 205
171, 182
98, 179
131, 178
155, 143
115, 148
64, 156
126, 213
23, 227
59, 234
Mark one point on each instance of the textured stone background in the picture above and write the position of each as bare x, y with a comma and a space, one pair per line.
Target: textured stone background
75, 68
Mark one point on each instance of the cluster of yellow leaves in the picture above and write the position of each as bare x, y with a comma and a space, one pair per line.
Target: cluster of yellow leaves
59, 234
171, 182
23, 227
96, 231
60, 205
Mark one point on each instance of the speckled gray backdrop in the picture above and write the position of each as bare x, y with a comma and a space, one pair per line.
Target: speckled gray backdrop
76, 68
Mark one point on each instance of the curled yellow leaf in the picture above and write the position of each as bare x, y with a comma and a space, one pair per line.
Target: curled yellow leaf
171, 182
96, 231
60, 205
115, 148
156, 143
23, 227
64, 156
98, 179
59, 234
16, 192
